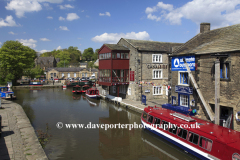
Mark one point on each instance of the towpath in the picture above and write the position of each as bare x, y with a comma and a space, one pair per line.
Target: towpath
18, 140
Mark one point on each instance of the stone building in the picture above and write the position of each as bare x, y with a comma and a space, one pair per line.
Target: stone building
148, 64
202, 51
46, 62
148, 68
70, 72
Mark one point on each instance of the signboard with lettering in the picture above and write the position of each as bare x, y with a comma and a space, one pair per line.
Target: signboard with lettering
147, 90
184, 89
131, 75
144, 99
178, 63
157, 66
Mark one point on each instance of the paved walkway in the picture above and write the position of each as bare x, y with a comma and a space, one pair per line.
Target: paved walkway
18, 140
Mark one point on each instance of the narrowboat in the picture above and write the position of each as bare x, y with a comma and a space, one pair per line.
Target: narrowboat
6, 93
92, 93
77, 89
198, 137
85, 88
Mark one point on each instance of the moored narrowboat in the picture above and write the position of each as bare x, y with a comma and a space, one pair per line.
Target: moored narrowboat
93, 93
77, 89
6, 93
198, 137
85, 88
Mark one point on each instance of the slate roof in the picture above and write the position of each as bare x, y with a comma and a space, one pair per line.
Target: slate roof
70, 69
45, 60
144, 45
220, 40
116, 47
57, 59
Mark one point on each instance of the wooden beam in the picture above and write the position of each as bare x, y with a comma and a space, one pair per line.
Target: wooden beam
206, 105
217, 90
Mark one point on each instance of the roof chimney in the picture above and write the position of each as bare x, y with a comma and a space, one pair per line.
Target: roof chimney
204, 27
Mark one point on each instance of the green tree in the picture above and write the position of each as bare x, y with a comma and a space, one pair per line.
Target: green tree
34, 72
14, 59
88, 54
64, 58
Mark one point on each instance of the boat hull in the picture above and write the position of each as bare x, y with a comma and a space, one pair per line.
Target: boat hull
186, 147
92, 96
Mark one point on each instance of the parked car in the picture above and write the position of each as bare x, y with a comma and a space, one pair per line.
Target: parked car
87, 78
78, 78
83, 79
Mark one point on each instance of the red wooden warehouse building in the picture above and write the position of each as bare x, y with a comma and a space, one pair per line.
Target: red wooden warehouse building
114, 69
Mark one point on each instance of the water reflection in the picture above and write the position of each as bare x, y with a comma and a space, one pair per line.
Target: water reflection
56, 105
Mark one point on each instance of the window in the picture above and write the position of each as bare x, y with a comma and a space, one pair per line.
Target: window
183, 100
183, 78
205, 143
157, 122
165, 125
82, 74
122, 89
144, 115
51, 75
75, 75
122, 56
157, 58
113, 55
173, 128
224, 70
68, 74
157, 90
86, 74
157, 74
126, 56
150, 119
55, 75
118, 55
182, 133
192, 137
62, 74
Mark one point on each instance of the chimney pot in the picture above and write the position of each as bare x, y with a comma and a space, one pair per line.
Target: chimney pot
204, 27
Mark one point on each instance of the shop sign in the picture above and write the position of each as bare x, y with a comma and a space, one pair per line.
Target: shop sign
178, 63
131, 75
184, 89
156, 66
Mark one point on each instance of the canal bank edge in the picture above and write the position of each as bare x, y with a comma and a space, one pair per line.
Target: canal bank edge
125, 105
23, 138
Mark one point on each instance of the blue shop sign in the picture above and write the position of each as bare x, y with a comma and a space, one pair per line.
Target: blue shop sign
183, 89
178, 63
144, 99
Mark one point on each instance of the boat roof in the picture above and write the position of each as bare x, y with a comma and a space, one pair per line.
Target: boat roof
207, 129
86, 85
3, 87
94, 88
77, 86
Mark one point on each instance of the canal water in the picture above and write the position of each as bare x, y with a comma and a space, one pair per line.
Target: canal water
51, 106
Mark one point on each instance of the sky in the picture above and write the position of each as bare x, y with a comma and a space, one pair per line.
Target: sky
45, 25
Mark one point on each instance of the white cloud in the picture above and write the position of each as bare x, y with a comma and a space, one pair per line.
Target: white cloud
12, 33
66, 6
28, 42
44, 39
61, 18
115, 37
0, 42
8, 22
58, 48
44, 50
219, 13
22, 6
49, 17
63, 28
46, 5
72, 16
105, 14
82, 11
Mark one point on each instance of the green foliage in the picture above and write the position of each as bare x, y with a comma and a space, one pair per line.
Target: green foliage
14, 59
88, 54
43, 136
33, 72
64, 58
